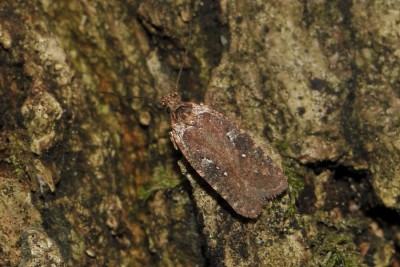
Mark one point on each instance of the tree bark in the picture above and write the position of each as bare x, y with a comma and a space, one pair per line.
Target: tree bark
89, 177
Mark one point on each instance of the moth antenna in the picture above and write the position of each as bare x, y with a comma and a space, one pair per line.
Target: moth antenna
184, 56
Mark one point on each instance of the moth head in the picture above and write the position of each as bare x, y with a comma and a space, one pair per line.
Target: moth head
171, 102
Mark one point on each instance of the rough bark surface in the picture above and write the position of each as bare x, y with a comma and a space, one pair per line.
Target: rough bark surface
88, 176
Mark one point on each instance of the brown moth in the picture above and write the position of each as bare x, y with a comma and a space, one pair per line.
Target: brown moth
225, 156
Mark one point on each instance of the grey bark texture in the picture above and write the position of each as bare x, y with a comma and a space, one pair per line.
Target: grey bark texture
89, 177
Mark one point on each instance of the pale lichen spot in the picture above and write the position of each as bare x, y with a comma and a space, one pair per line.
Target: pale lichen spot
231, 135
206, 161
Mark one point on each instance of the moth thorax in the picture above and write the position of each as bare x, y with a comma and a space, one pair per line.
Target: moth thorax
184, 115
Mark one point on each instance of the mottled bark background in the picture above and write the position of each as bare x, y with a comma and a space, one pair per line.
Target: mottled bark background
89, 177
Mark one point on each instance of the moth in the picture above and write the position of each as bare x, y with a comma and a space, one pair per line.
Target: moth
225, 156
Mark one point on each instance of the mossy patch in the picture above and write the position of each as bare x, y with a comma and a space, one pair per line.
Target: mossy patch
332, 249
296, 185
162, 179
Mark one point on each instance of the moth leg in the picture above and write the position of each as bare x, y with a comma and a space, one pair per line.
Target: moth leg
172, 137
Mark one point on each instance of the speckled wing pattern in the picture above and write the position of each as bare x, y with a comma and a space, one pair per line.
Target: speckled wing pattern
226, 157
